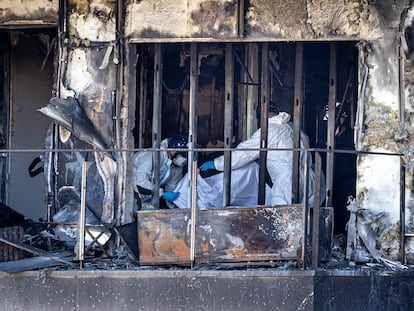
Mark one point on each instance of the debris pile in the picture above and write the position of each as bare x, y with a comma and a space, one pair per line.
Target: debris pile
364, 232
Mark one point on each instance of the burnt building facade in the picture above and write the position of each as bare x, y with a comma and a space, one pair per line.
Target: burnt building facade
85, 85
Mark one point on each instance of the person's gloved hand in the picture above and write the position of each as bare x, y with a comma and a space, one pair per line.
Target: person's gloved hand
170, 195
207, 166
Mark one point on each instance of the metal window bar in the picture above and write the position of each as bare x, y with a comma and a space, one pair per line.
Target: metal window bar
192, 156
305, 212
264, 122
156, 122
331, 124
316, 229
297, 119
228, 122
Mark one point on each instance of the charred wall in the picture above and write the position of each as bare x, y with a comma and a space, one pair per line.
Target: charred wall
89, 73
27, 12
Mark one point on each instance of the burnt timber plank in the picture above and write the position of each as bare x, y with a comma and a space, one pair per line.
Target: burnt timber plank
222, 235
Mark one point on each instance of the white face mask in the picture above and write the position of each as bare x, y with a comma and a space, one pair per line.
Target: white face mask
179, 160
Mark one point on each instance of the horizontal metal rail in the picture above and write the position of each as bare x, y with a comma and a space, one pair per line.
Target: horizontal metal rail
320, 150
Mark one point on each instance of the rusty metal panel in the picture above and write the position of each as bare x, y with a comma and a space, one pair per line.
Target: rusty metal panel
222, 235
182, 19
164, 236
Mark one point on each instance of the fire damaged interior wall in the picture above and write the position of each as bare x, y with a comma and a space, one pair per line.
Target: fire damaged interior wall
293, 20
386, 127
374, 67
210, 99
84, 112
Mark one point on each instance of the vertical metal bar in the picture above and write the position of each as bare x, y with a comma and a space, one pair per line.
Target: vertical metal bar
228, 122
156, 123
331, 124
81, 228
297, 120
193, 189
142, 99
264, 123
192, 156
252, 90
402, 211
305, 211
242, 102
316, 213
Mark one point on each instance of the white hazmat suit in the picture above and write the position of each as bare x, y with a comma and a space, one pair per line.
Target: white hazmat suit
279, 163
170, 174
244, 189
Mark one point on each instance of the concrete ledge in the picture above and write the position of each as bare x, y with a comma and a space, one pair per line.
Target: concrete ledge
262, 289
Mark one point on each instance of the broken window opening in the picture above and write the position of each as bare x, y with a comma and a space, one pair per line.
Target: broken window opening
247, 93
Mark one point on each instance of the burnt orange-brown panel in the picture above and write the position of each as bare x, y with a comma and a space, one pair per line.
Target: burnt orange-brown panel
222, 235
249, 234
164, 236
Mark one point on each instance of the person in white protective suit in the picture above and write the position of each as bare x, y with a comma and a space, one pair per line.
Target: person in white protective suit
279, 163
171, 171
244, 189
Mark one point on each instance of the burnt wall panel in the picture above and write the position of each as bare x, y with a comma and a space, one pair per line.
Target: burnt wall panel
303, 19
92, 20
182, 19
222, 235
28, 12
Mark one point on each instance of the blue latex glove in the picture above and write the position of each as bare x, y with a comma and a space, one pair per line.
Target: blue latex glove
170, 195
209, 165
